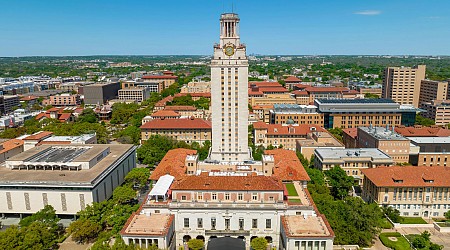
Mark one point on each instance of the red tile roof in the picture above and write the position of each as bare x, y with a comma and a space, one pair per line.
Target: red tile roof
29, 98
273, 89
206, 95
38, 136
165, 113
287, 165
292, 79
235, 183
10, 145
279, 129
64, 117
327, 89
422, 131
181, 108
300, 92
352, 132
191, 123
409, 176
252, 92
262, 107
156, 77
264, 84
173, 163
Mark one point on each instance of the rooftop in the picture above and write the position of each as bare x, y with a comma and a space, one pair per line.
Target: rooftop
287, 165
173, 164
409, 176
382, 133
38, 136
10, 144
81, 177
352, 132
429, 140
419, 131
151, 225
297, 226
339, 153
165, 113
284, 129
191, 123
355, 101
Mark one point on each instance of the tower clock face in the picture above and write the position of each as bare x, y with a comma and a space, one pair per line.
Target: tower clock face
229, 50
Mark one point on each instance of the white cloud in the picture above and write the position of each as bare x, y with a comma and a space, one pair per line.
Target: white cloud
368, 12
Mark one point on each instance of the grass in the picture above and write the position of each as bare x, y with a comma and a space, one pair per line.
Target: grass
443, 224
295, 200
291, 189
385, 224
413, 220
400, 244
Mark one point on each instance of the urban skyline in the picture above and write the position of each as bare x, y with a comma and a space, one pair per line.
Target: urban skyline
173, 28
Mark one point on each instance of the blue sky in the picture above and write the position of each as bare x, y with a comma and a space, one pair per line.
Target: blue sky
185, 27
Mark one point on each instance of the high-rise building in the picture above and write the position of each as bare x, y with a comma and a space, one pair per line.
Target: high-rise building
432, 90
402, 84
229, 86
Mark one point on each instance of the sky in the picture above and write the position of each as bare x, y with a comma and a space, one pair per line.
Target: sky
191, 27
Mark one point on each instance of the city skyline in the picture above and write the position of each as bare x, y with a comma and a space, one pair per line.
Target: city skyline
52, 28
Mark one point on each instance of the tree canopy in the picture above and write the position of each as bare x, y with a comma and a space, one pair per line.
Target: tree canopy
259, 243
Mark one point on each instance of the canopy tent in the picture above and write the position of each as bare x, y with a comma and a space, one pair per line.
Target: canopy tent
161, 188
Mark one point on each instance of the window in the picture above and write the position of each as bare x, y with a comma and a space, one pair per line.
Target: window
199, 196
186, 222
255, 196
268, 223
255, 223
227, 224
214, 196
240, 196
183, 197
241, 224
213, 223
199, 222
227, 197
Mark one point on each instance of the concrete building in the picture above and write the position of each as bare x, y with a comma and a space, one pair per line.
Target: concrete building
271, 99
188, 130
263, 112
374, 91
290, 81
68, 177
285, 135
152, 86
386, 140
352, 161
432, 90
46, 137
295, 114
402, 84
438, 111
433, 151
229, 80
8, 103
196, 87
100, 93
62, 100
135, 94
414, 191
350, 113
164, 80
315, 140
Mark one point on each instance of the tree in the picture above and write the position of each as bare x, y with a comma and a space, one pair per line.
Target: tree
195, 244
88, 115
419, 242
46, 215
420, 120
434, 246
392, 214
447, 215
154, 149
138, 176
259, 243
337, 133
11, 238
38, 236
340, 182
123, 194
84, 230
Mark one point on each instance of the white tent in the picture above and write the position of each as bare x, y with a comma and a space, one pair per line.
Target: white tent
161, 187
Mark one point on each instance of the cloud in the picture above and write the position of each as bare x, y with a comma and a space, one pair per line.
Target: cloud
368, 12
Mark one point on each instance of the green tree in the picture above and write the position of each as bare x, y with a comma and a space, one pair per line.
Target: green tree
84, 230
45, 215
420, 120
123, 194
154, 149
38, 236
195, 244
419, 242
392, 214
340, 182
88, 115
447, 215
138, 176
337, 133
11, 238
259, 243
434, 246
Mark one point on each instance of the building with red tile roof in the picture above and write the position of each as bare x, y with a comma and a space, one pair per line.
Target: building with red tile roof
165, 114
287, 166
422, 131
173, 164
349, 137
10, 148
419, 191
291, 81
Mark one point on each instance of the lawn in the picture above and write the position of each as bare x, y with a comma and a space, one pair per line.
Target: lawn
400, 244
413, 220
386, 224
291, 189
295, 200
444, 224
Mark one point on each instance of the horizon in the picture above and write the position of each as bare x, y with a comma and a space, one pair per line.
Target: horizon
141, 28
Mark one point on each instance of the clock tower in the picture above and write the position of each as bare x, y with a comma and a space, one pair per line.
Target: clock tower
229, 94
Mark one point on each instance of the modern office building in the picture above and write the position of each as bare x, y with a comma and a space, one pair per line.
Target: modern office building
68, 177
432, 151
402, 84
8, 103
100, 93
229, 82
352, 161
151, 86
350, 113
164, 80
386, 140
413, 190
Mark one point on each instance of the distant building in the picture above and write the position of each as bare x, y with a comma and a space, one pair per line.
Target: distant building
291, 81
386, 140
432, 90
100, 93
62, 100
422, 131
350, 113
10, 148
438, 111
432, 151
414, 191
315, 140
352, 161
68, 177
374, 91
402, 84
295, 114
188, 130
263, 112
165, 80
152, 86
60, 114
8, 103
196, 87
270, 99
136, 94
